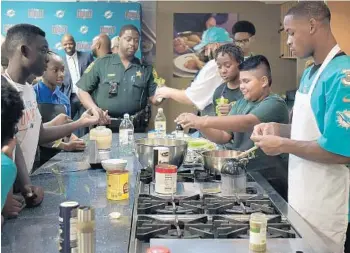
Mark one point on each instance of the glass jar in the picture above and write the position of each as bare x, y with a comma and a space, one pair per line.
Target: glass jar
257, 232
233, 178
102, 136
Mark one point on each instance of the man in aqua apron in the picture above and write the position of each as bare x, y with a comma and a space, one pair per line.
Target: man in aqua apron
318, 139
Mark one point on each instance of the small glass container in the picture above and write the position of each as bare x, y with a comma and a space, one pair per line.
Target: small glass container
102, 136
257, 232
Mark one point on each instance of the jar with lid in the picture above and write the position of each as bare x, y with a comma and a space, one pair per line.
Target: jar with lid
233, 177
257, 232
179, 132
102, 136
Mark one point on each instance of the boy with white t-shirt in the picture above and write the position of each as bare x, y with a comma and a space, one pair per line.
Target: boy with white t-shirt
27, 50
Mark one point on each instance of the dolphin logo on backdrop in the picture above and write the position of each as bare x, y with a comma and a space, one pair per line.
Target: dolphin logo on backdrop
108, 29
60, 14
59, 29
10, 13
35, 13
84, 29
7, 27
132, 15
108, 14
84, 13
58, 46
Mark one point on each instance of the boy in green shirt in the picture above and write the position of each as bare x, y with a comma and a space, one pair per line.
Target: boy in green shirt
228, 57
258, 105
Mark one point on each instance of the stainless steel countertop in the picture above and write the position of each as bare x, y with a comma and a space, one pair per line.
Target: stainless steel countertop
301, 226
67, 177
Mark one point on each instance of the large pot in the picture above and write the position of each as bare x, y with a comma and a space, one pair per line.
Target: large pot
215, 160
144, 150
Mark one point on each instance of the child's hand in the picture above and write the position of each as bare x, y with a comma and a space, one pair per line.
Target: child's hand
34, 195
75, 145
12, 207
224, 109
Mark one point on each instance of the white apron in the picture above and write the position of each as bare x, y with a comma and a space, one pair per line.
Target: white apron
318, 192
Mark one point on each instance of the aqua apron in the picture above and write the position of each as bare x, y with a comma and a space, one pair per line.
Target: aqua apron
49, 112
318, 192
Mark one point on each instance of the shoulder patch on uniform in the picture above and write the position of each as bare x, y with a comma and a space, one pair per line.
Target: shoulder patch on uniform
87, 70
346, 80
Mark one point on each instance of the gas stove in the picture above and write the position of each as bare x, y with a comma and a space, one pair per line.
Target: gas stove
193, 212
206, 227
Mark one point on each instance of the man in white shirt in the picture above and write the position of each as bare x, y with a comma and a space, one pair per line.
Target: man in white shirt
75, 64
201, 91
27, 49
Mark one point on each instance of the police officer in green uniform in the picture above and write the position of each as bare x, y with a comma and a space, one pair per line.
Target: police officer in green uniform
119, 83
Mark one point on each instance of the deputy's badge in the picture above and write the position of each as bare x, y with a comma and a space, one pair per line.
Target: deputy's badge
87, 70
346, 80
138, 74
343, 119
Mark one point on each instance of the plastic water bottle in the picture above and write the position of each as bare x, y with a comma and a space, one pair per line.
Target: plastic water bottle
126, 136
160, 124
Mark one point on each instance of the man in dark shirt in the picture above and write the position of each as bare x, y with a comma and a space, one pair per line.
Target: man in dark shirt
120, 83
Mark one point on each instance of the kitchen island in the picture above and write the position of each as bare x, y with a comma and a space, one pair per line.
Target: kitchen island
68, 176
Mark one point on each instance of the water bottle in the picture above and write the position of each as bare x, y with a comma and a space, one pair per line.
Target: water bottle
126, 136
160, 124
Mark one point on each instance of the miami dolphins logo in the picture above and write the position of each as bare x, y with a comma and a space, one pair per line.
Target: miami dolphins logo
108, 14
343, 119
84, 29
346, 80
346, 99
58, 46
60, 14
10, 13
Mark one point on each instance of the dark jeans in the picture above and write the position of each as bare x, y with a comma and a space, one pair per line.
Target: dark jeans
75, 106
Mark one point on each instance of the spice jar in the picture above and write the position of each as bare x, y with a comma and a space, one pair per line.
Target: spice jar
257, 233
166, 179
102, 136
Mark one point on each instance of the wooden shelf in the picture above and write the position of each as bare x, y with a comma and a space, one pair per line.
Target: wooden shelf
284, 48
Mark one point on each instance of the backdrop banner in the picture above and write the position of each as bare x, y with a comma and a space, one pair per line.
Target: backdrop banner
84, 20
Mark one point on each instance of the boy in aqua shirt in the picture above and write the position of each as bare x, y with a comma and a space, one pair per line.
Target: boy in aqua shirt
11, 112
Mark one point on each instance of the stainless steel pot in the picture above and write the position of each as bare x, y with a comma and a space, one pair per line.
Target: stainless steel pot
215, 160
144, 150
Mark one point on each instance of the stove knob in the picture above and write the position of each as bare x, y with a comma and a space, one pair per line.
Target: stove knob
158, 249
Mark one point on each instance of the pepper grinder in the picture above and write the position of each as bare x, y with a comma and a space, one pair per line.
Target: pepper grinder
86, 230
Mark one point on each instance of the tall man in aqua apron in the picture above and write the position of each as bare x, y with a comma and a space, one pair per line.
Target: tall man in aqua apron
318, 139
